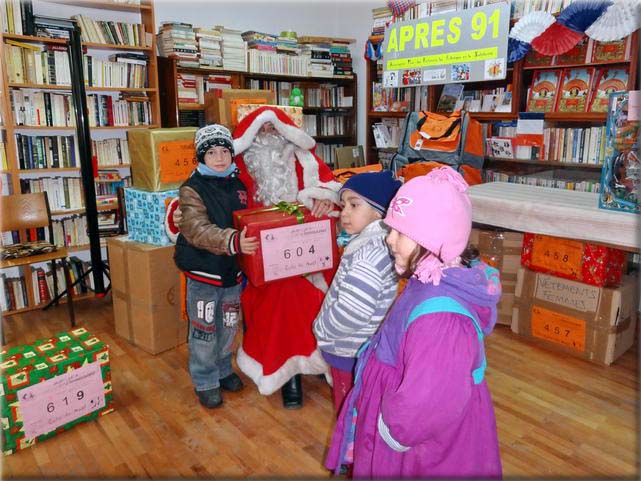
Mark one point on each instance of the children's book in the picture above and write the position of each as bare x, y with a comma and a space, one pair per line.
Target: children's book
607, 80
576, 55
501, 147
617, 51
574, 89
449, 96
542, 96
379, 98
536, 59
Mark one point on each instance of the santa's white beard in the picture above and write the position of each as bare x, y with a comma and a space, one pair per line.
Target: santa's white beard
271, 162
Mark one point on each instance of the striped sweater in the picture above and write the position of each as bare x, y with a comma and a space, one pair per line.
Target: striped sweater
362, 291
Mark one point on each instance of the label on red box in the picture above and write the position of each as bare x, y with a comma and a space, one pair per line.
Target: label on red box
296, 249
58, 401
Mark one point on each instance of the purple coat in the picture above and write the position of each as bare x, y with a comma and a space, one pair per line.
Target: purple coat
415, 388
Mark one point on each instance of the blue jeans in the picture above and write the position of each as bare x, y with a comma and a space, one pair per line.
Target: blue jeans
214, 313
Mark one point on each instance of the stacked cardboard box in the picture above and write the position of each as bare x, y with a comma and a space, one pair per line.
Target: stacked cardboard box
52, 385
594, 323
146, 294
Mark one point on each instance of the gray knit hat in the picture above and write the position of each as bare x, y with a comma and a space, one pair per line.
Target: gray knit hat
210, 136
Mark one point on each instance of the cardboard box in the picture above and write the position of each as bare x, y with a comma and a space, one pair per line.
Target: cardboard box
581, 261
502, 250
146, 294
52, 385
161, 159
146, 215
352, 156
294, 113
292, 242
222, 107
594, 323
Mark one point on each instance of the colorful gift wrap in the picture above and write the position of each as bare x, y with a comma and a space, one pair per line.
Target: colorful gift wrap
52, 385
146, 215
292, 242
592, 264
161, 159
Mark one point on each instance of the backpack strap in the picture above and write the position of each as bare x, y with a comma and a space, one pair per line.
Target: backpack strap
447, 304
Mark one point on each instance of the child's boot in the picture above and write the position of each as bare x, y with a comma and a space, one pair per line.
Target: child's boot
232, 383
292, 393
210, 398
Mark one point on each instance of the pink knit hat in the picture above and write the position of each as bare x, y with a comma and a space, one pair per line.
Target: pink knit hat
435, 211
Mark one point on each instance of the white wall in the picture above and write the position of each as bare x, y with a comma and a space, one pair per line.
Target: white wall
334, 18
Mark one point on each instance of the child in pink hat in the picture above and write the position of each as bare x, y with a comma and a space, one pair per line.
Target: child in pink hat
420, 406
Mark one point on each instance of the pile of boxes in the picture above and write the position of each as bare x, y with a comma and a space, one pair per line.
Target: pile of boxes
145, 281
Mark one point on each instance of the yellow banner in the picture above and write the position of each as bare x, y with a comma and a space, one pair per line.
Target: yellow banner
443, 58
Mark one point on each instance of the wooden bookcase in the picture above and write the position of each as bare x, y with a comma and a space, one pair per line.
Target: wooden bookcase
143, 14
171, 108
520, 78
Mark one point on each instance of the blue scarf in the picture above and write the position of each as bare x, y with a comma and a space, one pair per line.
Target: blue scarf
204, 170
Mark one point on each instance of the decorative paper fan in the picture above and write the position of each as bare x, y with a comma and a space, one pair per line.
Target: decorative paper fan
621, 19
516, 49
580, 14
531, 25
556, 39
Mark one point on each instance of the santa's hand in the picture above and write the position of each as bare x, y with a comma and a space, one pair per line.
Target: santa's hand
177, 218
321, 207
248, 245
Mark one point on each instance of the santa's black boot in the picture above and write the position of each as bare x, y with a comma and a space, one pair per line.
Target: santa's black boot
292, 392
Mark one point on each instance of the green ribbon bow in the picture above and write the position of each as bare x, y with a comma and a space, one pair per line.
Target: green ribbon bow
291, 209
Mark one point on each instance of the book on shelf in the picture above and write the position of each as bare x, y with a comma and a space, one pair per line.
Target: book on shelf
579, 54
500, 147
379, 98
450, 95
607, 80
543, 90
574, 89
536, 59
46, 151
617, 51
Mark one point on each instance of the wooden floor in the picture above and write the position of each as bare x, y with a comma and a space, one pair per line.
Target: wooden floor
557, 416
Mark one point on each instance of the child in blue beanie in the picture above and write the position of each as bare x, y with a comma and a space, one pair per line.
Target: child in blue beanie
365, 283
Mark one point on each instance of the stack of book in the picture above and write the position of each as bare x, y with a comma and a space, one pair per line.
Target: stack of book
178, 40
341, 59
128, 110
188, 88
381, 16
234, 50
122, 70
110, 152
210, 54
260, 41
320, 59
37, 64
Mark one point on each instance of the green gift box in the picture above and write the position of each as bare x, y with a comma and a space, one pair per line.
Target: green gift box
52, 385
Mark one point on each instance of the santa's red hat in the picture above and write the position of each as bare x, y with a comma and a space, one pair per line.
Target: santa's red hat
248, 128
314, 187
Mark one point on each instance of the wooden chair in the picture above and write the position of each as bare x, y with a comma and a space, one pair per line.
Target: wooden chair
27, 211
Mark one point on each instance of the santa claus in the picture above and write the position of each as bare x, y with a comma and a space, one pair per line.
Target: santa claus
277, 163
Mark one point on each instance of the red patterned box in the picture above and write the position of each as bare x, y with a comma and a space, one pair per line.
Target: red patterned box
593, 264
292, 242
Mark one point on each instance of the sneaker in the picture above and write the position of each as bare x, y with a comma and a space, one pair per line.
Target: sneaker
210, 398
232, 383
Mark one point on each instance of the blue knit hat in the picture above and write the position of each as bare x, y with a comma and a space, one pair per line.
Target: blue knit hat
377, 188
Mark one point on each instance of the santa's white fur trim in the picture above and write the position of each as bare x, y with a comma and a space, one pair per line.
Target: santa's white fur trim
292, 133
317, 279
307, 196
312, 364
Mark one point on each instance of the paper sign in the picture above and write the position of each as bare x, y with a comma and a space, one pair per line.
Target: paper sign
177, 159
558, 328
560, 255
563, 292
296, 249
634, 105
57, 401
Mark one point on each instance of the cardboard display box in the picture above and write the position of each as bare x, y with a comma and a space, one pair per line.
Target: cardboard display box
223, 109
146, 215
146, 294
581, 261
349, 157
502, 250
594, 323
52, 385
292, 242
161, 159
294, 113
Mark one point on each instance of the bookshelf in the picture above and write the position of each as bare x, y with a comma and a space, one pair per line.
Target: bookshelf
175, 113
519, 77
130, 91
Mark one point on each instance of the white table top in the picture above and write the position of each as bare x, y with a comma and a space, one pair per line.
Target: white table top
557, 212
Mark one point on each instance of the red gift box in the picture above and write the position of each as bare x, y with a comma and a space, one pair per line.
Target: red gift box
593, 264
292, 242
